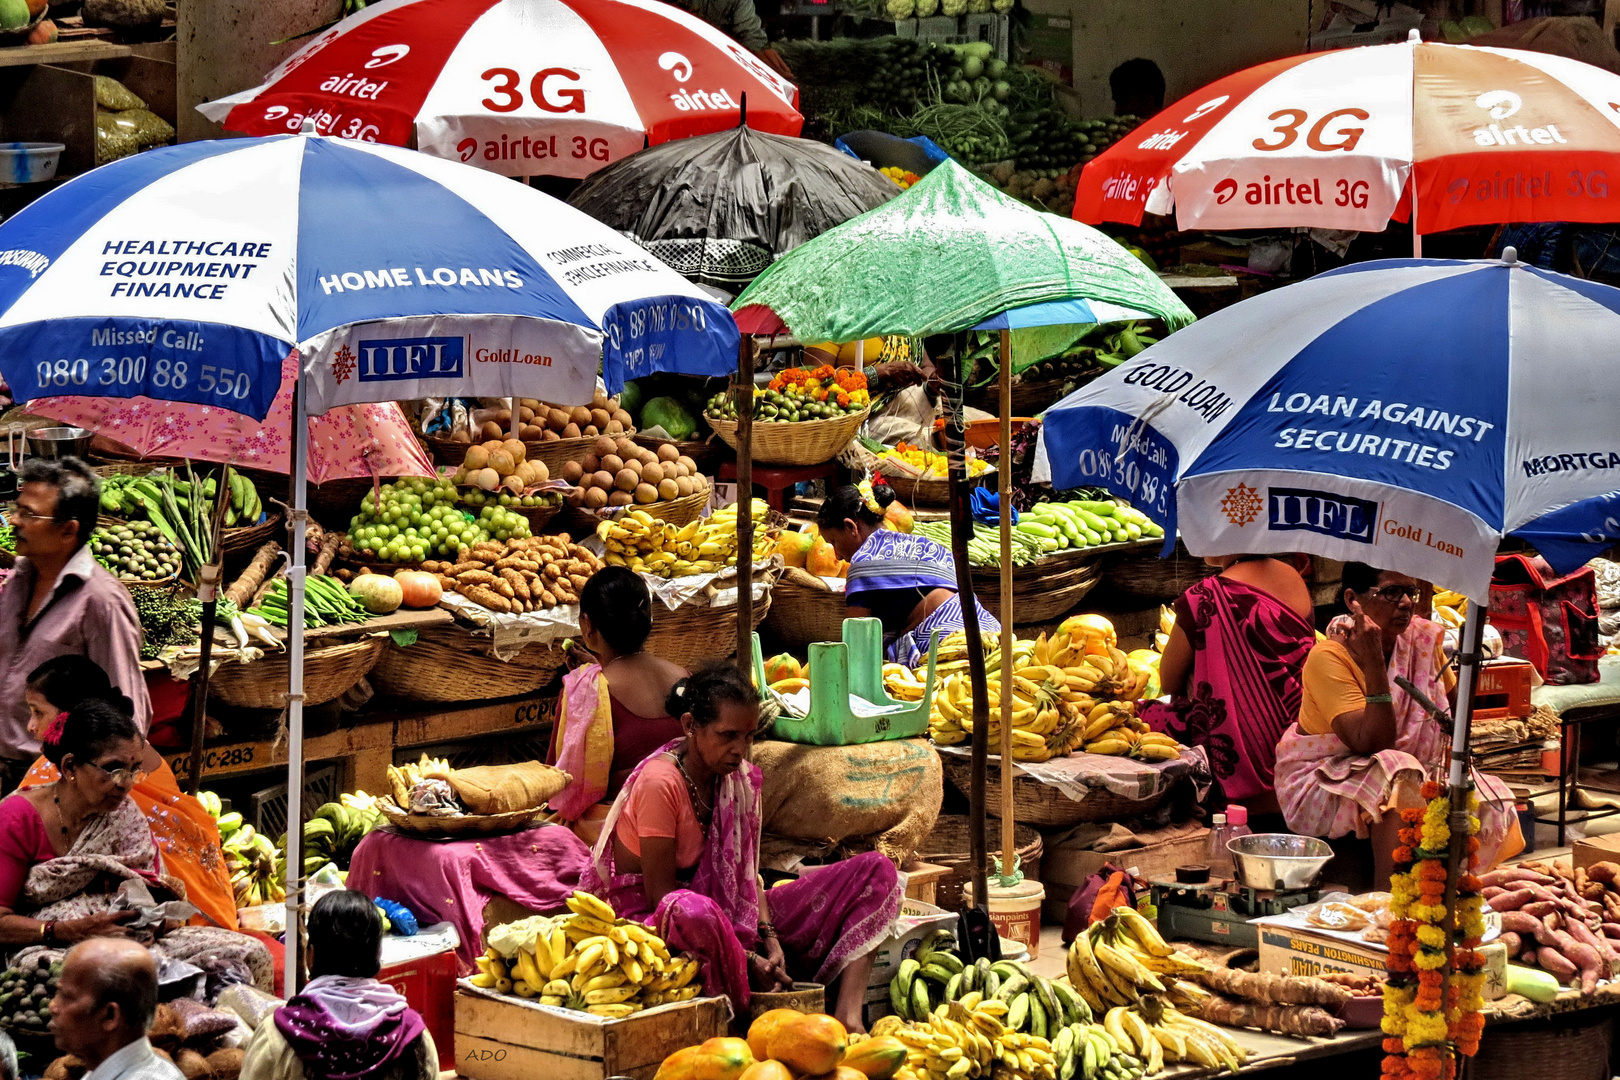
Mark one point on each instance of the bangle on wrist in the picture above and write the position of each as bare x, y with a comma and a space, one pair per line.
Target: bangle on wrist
1380, 699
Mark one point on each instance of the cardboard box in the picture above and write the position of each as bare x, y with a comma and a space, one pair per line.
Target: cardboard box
504, 1038
1596, 849
915, 921
1285, 950
1064, 870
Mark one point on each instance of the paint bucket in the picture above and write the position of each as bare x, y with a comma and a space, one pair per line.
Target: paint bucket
1015, 911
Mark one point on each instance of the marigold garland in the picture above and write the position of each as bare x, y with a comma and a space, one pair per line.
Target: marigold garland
1431, 1012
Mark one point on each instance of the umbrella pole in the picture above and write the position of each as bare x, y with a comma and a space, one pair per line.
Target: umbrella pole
295, 694
1459, 782
208, 578
1008, 842
744, 388
961, 527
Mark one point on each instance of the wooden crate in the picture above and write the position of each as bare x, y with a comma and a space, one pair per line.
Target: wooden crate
501, 1038
58, 104
922, 879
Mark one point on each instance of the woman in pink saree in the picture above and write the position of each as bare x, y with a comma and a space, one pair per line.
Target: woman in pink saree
1363, 745
680, 849
1232, 672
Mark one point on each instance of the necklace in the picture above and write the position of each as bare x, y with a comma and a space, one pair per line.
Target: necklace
692, 789
61, 819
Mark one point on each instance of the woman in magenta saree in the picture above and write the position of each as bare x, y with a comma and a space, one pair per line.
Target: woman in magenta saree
1232, 672
680, 849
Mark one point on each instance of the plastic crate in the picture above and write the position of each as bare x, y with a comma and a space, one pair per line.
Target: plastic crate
267, 808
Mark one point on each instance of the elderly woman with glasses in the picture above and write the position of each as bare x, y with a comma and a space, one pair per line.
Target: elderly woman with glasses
1363, 745
69, 848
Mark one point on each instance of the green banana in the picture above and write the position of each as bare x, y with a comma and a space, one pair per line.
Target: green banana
1018, 1010
920, 1005
953, 989
935, 972
899, 1001
1012, 987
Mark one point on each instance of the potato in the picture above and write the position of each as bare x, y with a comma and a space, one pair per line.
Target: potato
603, 480
627, 447
595, 498
626, 480
514, 484
502, 462
580, 415
624, 418
460, 436
550, 436
532, 432
573, 471
683, 486
691, 466
604, 446
620, 498
576, 496
591, 431
667, 452
652, 473
525, 472
600, 417
634, 465
516, 448
646, 493
477, 457
501, 416
669, 489
600, 399
491, 430
542, 471
612, 463
613, 428
525, 414
557, 419
571, 431
590, 463
531, 403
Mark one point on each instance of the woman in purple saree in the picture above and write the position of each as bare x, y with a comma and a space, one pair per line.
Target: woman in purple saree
680, 849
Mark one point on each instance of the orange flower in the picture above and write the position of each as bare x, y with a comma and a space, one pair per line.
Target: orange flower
1432, 789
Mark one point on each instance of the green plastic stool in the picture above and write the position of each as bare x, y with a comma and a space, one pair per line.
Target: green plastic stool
848, 703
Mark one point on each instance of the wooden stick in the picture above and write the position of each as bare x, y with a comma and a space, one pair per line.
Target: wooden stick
744, 388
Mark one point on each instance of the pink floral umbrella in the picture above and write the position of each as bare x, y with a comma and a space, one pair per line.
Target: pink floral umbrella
350, 440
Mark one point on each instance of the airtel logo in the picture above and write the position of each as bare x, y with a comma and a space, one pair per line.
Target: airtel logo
275, 112
1501, 104
1225, 191
387, 54
1206, 108
677, 65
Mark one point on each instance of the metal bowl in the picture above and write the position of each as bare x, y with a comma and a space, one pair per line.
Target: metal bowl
1278, 860
55, 443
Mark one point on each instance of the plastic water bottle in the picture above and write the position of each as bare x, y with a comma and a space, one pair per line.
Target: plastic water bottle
1237, 823
1216, 856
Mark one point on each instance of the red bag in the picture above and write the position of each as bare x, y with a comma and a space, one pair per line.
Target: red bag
1548, 620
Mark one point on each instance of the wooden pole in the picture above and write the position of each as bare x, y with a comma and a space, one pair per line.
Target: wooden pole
1004, 475
208, 578
744, 390
961, 529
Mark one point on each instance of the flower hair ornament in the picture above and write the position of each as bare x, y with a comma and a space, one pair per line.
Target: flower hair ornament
53, 731
868, 497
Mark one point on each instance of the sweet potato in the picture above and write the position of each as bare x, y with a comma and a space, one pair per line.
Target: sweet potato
1611, 929
1605, 872
1540, 908
1510, 901
1509, 874
1514, 943
1557, 964
1587, 963
1526, 926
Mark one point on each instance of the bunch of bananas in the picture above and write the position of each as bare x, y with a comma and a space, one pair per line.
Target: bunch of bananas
589, 960
332, 832
650, 546
257, 869
1158, 1032
402, 778
966, 1040
935, 975
1086, 1051
1116, 960
1450, 608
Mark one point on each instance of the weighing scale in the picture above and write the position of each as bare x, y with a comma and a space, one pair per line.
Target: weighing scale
1218, 912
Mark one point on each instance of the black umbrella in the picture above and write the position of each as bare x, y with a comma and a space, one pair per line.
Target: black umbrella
719, 208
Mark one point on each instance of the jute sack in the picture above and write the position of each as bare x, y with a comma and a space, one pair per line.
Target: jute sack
502, 789
884, 793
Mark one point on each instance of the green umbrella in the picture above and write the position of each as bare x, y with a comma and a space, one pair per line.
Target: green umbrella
949, 253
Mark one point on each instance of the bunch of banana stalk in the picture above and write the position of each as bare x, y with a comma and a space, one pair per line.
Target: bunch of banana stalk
589, 960
967, 1040
1159, 1032
333, 830
1116, 960
650, 546
934, 975
402, 778
257, 869
1087, 1052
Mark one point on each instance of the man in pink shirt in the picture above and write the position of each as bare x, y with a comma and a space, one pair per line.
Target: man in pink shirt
60, 601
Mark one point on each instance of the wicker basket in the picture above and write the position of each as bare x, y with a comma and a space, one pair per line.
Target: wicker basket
1145, 576
538, 517
948, 846
445, 451
448, 663
250, 537
804, 610
431, 826
558, 452
925, 491
703, 452
1568, 1047
695, 634
681, 511
807, 442
129, 468
1030, 397
328, 672
1042, 591
1043, 804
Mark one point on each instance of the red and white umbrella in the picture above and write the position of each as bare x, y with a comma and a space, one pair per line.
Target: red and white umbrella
1334, 139
518, 87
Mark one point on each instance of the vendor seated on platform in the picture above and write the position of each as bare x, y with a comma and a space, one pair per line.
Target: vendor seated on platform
67, 847
612, 711
682, 844
183, 829
1363, 745
905, 581
345, 1023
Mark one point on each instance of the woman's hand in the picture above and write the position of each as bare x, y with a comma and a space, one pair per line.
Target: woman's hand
1366, 647
767, 968
106, 924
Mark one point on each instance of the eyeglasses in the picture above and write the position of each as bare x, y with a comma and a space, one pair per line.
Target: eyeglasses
1394, 594
121, 775
23, 515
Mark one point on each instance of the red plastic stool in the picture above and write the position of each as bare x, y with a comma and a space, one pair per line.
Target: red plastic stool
777, 479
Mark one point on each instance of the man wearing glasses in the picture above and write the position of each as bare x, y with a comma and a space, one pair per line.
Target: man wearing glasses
60, 601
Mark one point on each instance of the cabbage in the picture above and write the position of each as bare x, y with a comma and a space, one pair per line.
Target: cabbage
669, 414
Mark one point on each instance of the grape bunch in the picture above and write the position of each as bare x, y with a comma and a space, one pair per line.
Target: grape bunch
419, 519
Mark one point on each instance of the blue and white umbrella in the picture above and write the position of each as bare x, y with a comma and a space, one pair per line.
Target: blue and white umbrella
189, 273
1404, 413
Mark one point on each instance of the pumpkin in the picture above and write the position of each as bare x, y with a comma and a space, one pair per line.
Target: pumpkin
418, 588
823, 561
809, 1044
777, 668
877, 1058
765, 1023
